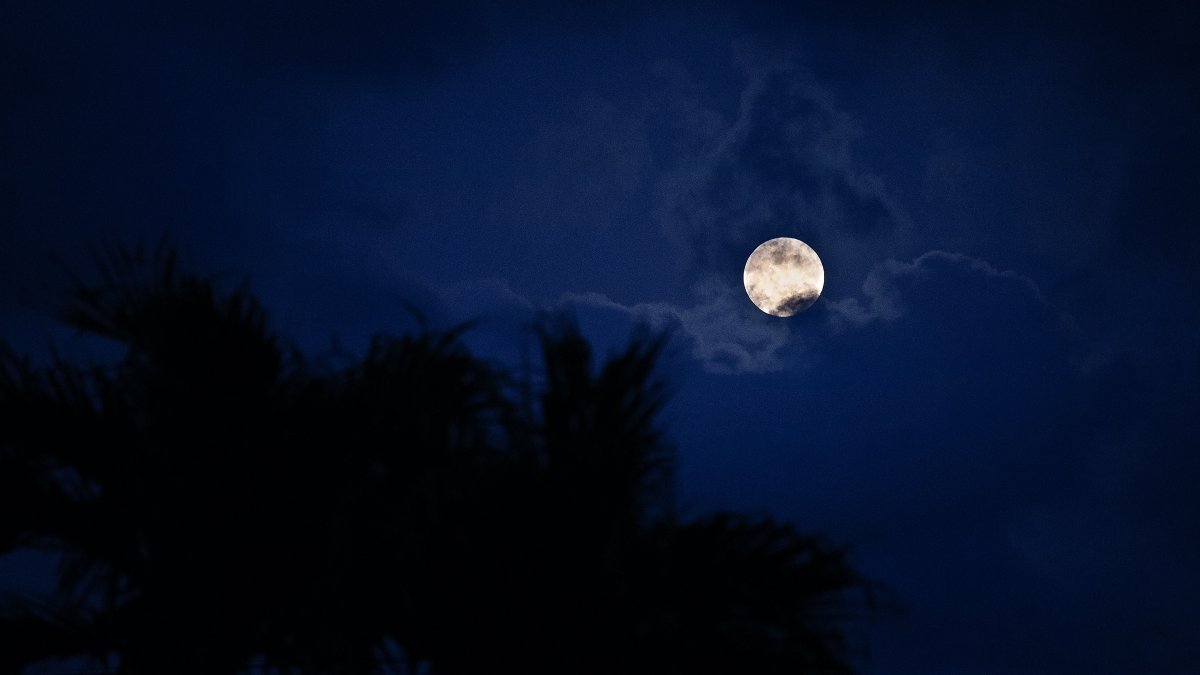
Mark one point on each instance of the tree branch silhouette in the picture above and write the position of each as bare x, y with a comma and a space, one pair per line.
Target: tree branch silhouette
215, 501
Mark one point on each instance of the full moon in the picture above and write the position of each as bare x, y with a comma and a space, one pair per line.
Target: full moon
783, 276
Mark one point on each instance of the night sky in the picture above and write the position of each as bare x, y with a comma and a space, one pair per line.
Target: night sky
995, 399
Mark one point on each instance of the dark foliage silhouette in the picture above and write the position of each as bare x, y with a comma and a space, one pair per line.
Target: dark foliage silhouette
219, 502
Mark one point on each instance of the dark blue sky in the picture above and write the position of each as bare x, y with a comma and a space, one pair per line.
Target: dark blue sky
995, 398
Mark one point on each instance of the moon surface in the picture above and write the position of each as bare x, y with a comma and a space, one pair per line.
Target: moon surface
783, 276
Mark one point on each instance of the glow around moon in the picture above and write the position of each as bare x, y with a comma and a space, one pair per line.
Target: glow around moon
783, 276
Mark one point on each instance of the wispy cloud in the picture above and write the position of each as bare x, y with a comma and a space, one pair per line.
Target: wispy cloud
884, 289
728, 335
784, 165
725, 334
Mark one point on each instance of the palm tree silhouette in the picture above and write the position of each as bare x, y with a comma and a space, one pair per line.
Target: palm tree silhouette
216, 501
